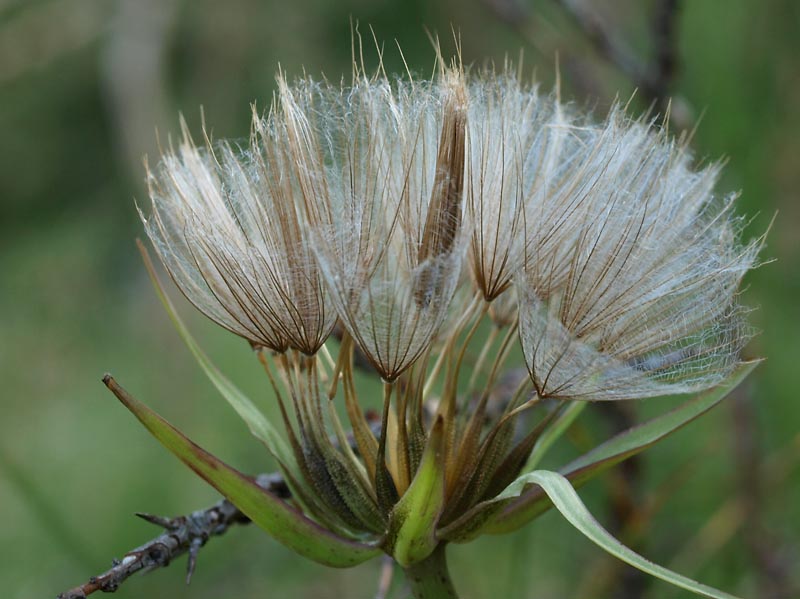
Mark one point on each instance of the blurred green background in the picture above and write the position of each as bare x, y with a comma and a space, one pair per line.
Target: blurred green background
83, 86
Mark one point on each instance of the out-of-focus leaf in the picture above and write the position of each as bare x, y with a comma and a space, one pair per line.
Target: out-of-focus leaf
566, 501
279, 519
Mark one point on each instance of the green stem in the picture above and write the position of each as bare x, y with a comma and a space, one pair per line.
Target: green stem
429, 578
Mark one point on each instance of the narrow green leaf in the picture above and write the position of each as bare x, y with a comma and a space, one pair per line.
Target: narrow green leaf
533, 502
649, 433
553, 433
414, 517
279, 519
566, 500
258, 424
38, 498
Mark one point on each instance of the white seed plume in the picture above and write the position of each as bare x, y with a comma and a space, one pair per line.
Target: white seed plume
629, 284
361, 201
228, 226
521, 147
388, 228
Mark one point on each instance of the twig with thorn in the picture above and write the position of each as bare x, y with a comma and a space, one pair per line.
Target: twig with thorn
183, 534
187, 534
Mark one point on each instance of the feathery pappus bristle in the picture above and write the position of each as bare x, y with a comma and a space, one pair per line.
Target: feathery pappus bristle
634, 293
365, 202
227, 224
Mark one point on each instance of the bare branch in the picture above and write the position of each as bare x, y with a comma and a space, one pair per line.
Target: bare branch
771, 567
606, 42
665, 40
652, 77
182, 534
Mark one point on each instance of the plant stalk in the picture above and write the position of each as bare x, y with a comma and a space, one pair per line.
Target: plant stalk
429, 578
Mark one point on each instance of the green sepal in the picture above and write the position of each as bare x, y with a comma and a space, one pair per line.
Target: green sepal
413, 520
500, 516
275, 516
339, 485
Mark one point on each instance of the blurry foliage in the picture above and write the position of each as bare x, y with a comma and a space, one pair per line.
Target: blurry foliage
83, 86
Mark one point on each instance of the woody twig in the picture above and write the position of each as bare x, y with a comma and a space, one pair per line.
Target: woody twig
182, 534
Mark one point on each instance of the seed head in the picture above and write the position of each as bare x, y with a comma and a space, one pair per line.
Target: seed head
229, 227
521, 148
389, 239
629, 284
414, 210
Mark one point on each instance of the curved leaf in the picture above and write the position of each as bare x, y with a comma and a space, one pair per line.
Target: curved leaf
628, 443
279, 519
566, 500
647, 434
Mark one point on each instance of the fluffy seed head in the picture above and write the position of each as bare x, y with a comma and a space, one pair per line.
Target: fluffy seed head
412, 210
521, 147
361, 202
629, 283
227, 223
390, 237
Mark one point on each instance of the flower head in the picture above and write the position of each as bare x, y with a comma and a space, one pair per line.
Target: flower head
521, 149
413, 211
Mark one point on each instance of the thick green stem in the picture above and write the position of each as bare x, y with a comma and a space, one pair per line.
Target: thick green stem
429, 578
